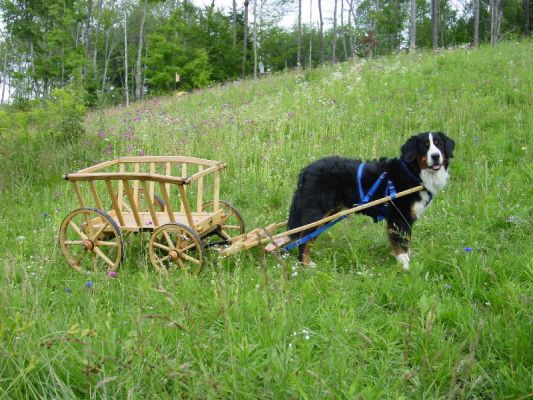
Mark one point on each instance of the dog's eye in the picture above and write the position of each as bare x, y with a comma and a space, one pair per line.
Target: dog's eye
426, 145
437, 142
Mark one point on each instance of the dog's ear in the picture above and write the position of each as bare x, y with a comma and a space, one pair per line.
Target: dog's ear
409, 150
449, 144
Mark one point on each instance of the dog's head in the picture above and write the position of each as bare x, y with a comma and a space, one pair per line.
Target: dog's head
431, 151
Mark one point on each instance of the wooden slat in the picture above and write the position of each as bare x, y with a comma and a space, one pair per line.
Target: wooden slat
183, 175
120, 196
97, 200
136, 183
114, 200
125, 175
167, 173
216, 191
205, 172
165, 159
150, 202
152, 183
133, 203
96, 167
76, 188
166, 199
200, 191
186, 207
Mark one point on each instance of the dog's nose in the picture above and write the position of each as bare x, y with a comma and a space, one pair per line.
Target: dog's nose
435, 157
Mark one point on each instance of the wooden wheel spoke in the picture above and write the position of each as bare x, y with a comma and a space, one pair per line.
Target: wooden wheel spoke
101, 254
95, 267
188, 247
73, 242
169, 240
180, 263
189, 258
95, 236
163, 259
77, 229
161, 246
78, 259
107, 244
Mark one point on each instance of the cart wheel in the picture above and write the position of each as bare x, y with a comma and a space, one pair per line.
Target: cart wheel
232, 225
158, 203
91, 240
176, 245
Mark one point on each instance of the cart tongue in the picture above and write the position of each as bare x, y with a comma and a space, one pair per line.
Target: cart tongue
277, 244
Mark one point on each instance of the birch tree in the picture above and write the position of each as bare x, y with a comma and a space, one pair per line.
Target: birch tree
321, 31
138, 67
334, 44
476, 23
245, 37
299, 37
435, 24
412, 25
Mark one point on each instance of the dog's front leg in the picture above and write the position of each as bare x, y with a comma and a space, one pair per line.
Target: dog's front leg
399, 234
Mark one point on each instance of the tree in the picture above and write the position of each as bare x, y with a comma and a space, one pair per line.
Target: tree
321, 32
334, 44
476, 23
299, 41
245, 37
412, 25
495, 10
435, 24
138, 70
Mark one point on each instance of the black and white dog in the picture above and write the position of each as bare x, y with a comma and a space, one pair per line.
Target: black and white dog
333, 183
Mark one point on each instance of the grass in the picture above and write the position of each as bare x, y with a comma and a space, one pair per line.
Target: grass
457, 326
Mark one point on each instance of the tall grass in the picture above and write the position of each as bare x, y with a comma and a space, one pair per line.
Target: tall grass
457, 326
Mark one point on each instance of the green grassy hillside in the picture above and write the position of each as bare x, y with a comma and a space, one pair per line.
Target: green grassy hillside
458, 325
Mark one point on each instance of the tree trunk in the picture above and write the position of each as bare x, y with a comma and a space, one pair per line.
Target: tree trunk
138, 67
334, 44
88, 29
342, 32
435, 23
34, 77
245, 37
321, 32
527, 17
351, 34
126, 89
234, 25
255, 39
495, 6
412, 26
4, 73
310, 34
98, 22
299, 38
476, 23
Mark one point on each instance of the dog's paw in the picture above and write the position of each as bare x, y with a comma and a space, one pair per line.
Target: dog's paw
404, 259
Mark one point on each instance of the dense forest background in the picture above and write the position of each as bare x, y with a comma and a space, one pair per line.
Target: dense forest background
113, 52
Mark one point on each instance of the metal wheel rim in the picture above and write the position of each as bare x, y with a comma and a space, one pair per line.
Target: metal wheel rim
91, 241
176, 246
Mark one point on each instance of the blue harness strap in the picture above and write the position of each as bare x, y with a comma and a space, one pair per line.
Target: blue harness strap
390, 190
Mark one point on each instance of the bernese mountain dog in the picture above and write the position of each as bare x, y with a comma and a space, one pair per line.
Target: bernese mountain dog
334, 183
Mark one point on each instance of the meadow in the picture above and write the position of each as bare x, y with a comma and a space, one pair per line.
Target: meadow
458, 325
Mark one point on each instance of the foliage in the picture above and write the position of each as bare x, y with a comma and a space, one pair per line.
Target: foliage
50, 44
457, 326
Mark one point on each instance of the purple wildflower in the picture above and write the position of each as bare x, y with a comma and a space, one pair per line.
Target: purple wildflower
468, 249
89, 284
67, 289
112, 274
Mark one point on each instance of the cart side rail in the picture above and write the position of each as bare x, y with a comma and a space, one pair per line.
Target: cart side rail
125, 178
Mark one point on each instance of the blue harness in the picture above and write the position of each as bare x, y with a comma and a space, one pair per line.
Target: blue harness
390, 190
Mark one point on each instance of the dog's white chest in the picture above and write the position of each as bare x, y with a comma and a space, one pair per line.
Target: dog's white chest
420, 206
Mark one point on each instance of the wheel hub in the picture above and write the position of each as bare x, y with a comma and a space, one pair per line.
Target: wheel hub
173, 254
88, 244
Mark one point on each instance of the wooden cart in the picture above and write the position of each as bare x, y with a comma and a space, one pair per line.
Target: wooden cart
153, 194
